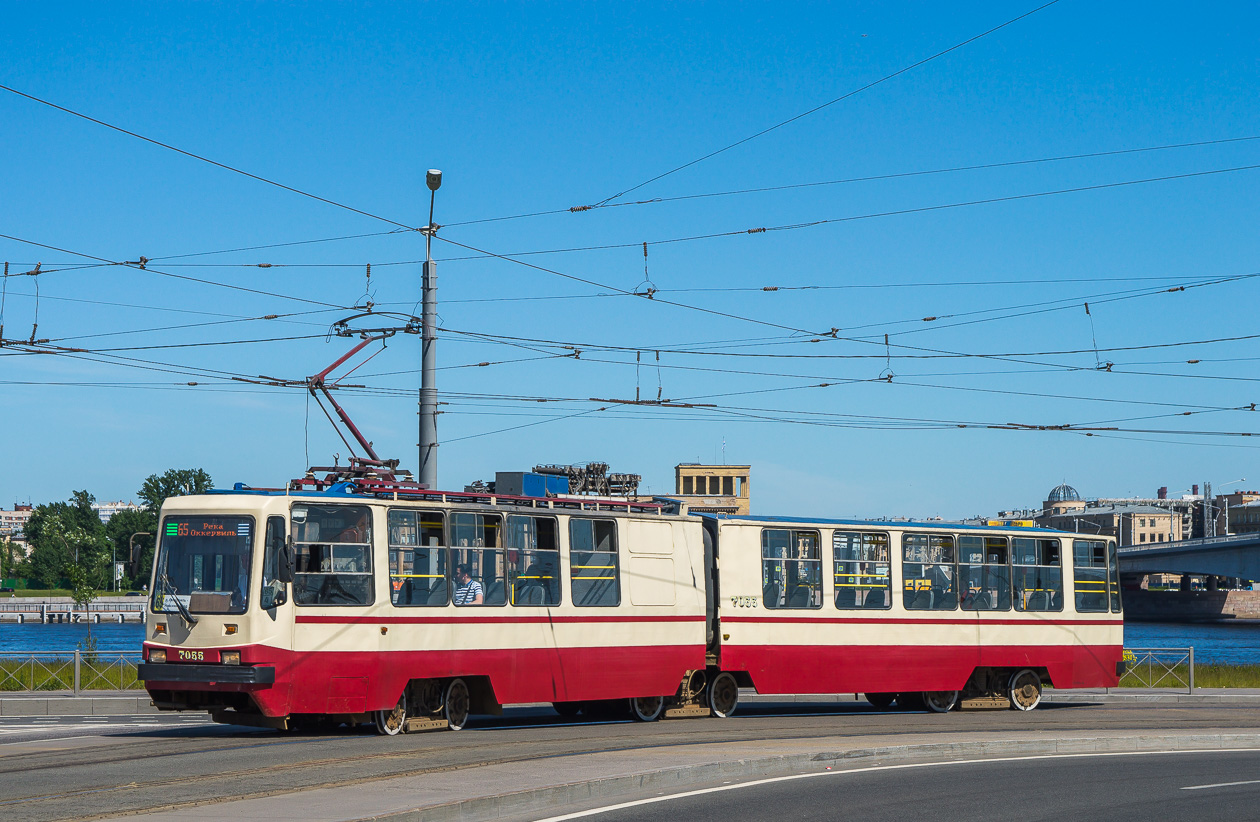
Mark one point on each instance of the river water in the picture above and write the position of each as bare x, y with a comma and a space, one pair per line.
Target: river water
1235, 642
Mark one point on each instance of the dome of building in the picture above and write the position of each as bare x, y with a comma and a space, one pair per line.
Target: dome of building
1063, 493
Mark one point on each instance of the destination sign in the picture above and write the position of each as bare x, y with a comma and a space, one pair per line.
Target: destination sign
202, 527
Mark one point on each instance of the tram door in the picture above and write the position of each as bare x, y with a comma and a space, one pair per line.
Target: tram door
276, 600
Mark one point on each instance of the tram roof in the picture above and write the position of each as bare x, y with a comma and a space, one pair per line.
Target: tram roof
868, 523
347, 490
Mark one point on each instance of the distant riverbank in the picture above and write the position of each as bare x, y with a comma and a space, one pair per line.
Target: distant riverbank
1232, 643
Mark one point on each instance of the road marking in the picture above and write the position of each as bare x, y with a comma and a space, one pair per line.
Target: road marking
1221, 785
721, 788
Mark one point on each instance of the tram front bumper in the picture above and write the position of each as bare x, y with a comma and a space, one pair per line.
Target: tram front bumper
206, 674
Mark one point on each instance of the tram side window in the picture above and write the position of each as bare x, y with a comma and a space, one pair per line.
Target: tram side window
534, 546
475, 542
332, 547
417, 559
593, 569
791, 569
1038, 575
271, 585
927, 565
984, 578
1089, 566
1113, 566
862, 570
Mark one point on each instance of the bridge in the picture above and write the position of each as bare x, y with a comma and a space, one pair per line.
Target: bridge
1231, 556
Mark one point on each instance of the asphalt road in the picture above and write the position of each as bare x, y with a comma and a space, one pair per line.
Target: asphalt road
1118, 788
81, 768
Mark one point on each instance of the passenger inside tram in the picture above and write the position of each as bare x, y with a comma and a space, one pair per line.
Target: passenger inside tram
469, 591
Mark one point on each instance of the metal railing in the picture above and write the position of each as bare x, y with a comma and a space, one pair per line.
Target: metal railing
75, 671
96, 607
1159, 668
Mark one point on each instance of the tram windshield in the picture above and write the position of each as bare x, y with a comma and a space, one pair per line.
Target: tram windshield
203, 565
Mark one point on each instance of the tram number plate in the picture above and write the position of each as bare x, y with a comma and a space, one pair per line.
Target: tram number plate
744, 602
196, 656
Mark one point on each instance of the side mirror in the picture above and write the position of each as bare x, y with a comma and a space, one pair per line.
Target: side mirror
284, 571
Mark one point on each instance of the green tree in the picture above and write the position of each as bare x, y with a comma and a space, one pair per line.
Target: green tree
11, 559
118, 532
61, 535
175, 482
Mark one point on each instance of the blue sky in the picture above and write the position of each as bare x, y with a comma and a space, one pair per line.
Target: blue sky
531, 108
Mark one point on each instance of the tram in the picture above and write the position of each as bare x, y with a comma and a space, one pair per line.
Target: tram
411, 609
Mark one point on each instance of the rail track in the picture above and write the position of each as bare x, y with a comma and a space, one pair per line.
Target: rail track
167, 770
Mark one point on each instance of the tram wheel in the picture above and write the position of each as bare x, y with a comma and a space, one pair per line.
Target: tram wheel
455, 705
1024, 690
723, 695
568, 710
393, 721
647, 708
940, 702
881, 701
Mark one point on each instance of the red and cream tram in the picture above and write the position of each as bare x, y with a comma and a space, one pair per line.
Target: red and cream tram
413, 610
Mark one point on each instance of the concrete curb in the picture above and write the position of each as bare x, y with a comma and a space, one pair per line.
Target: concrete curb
549, 799
69, 705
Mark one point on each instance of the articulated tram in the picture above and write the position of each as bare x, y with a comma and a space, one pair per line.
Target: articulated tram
413, 609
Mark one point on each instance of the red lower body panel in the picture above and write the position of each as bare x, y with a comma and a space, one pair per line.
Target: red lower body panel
787, 669
352, 682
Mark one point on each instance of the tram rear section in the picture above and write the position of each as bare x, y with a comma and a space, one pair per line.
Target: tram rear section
412, 611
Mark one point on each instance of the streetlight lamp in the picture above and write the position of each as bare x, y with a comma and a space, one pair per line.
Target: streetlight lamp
428, 352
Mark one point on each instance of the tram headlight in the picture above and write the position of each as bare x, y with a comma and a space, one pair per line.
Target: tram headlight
157, 655
230, 657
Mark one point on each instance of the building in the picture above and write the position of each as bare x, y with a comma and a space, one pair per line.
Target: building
1240, 513
1237, 513
713, 489
1131, 522
13, 522
1061, 499
105, 510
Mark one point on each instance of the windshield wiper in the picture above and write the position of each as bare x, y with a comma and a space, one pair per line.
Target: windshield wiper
179, 603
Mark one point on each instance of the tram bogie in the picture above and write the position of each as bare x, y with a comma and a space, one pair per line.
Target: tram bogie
411, 613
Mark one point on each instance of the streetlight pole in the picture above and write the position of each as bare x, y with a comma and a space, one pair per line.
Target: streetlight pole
428, 356
131, 552
1231, 482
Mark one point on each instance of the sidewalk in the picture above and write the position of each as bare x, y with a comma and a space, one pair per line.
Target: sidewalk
544, 787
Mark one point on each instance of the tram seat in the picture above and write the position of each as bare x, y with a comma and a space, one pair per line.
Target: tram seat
1038, 601
981, 602
1091, 602
1055, 603
770, 595
846, 597
922, 600
437, 594
875, 598
799, 597
531, 595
